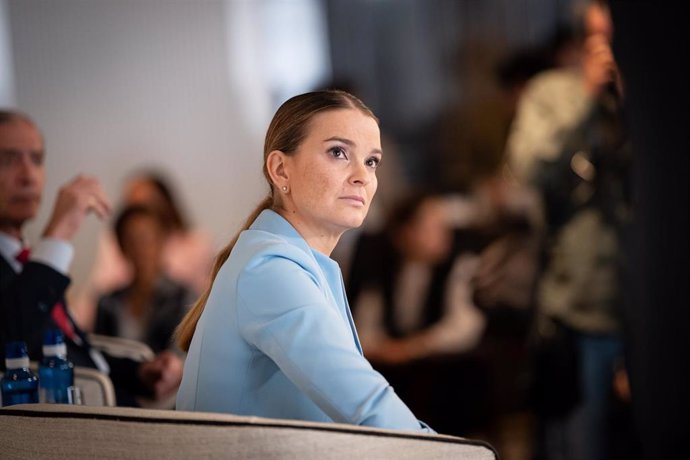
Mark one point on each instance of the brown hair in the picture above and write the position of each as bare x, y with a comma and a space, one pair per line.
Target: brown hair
126, 215
286, 132
9, 116
14, 116
170, 213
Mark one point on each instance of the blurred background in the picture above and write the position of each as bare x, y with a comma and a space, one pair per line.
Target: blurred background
187, 88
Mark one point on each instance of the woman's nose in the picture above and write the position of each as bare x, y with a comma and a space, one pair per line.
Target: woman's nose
361, 174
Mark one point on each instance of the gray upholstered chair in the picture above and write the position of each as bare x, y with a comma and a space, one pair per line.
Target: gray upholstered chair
132, 349
96, 387
59, 431
122, 348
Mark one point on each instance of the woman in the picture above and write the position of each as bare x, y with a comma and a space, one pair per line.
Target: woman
149, 308
411, 292
273, 336
187, 253
416, 301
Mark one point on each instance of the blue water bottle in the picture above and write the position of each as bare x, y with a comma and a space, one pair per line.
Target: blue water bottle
55, 372
19, 384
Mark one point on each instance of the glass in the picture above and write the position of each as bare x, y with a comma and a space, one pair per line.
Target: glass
74, 395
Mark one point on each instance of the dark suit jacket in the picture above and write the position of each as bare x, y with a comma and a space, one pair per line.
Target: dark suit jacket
26, 301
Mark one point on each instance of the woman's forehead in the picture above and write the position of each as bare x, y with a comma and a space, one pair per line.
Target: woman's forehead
350, 124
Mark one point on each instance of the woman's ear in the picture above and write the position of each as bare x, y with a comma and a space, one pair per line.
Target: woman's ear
276, 165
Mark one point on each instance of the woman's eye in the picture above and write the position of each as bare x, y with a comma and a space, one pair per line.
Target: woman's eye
373, 162
338, 152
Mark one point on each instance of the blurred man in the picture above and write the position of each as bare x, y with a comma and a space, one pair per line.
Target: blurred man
33, 285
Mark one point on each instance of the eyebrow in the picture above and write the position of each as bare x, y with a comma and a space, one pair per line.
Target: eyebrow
15, 151
350, 143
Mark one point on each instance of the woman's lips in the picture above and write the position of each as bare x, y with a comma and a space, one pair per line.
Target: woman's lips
354, 199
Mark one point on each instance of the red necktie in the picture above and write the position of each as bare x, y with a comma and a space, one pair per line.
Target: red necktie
60, 317
23, 256
58, 313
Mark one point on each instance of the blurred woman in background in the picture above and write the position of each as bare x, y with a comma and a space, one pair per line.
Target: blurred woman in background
187, 251
149, 308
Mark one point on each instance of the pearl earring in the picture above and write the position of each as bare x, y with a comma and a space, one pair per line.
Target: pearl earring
284, 188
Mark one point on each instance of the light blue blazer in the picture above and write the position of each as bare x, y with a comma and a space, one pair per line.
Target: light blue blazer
276, 339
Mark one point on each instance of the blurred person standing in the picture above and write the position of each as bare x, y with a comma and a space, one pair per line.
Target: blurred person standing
568, 142
152, 305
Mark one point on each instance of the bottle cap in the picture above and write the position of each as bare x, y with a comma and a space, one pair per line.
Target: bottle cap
16, 350
16, 355
53, 337
54, 343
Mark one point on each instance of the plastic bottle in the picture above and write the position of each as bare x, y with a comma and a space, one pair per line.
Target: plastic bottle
19, 385
55, 372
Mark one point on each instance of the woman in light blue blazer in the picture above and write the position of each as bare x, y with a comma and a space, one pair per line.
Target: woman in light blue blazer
273, 336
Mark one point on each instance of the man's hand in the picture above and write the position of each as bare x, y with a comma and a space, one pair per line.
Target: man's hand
599, 66
162, 375
76, 199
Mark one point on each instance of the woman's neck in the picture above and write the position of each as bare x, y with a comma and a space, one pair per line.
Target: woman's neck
317, 238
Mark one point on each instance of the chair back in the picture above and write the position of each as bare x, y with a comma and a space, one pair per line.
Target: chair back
96, 387
59, 431
122, 348
137, 351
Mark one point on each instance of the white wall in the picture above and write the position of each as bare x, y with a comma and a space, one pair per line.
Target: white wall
7, 92
116, 85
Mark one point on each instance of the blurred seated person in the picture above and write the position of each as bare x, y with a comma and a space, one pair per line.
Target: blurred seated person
187, 252
150, 307
413, 309
33, 280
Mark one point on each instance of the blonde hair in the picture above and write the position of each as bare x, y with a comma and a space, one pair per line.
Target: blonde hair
286, 132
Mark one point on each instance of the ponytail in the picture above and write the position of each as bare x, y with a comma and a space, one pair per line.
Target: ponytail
185, 330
